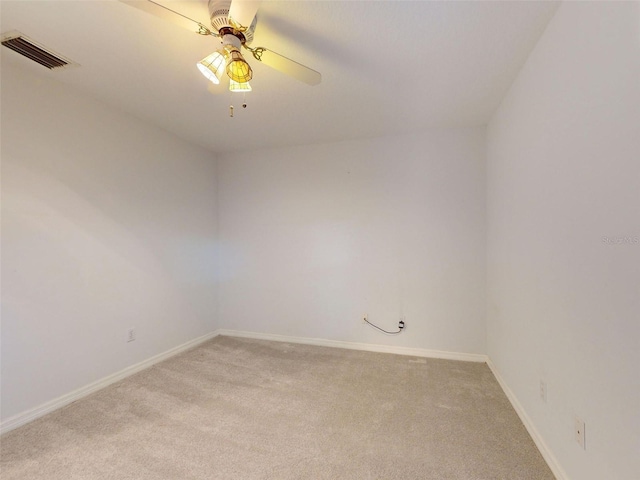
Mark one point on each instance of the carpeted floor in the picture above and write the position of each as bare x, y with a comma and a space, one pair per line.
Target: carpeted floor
250, 409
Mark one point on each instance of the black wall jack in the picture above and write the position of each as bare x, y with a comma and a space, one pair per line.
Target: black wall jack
400, 326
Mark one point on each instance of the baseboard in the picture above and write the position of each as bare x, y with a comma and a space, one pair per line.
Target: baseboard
48, 407
551, 460
29, 415
415, 352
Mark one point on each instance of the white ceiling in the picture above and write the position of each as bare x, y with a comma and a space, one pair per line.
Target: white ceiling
387, 67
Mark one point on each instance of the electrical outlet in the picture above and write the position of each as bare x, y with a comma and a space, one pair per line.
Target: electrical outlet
579, 432
543, 391
131, 335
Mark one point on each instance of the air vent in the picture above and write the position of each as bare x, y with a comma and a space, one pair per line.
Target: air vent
30, 49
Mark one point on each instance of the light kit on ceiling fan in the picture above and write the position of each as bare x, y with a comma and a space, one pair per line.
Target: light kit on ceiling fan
229, 19
237, 68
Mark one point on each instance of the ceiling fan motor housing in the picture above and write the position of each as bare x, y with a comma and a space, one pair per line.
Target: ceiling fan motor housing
219, 15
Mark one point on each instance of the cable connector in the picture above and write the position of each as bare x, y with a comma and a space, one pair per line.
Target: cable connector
400, 326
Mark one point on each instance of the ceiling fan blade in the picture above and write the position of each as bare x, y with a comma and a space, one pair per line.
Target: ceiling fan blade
243, 11
287, 66
166, 13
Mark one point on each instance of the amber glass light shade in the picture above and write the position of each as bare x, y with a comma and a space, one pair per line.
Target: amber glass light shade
237, 67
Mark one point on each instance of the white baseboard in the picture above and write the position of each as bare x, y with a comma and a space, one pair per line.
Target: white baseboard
369, 347
48, 407
31, 414
551, 460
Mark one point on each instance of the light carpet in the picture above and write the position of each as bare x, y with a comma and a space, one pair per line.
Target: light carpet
251, 409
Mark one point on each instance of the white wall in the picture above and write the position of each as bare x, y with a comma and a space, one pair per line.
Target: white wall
313, 237
563, 286
107, 223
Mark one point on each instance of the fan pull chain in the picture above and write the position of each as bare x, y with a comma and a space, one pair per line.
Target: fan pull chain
244, 103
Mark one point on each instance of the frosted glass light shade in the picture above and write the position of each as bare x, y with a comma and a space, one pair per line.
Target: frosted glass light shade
212, 66
236, 87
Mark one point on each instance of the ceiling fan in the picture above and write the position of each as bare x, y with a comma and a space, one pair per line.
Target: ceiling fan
233, 22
